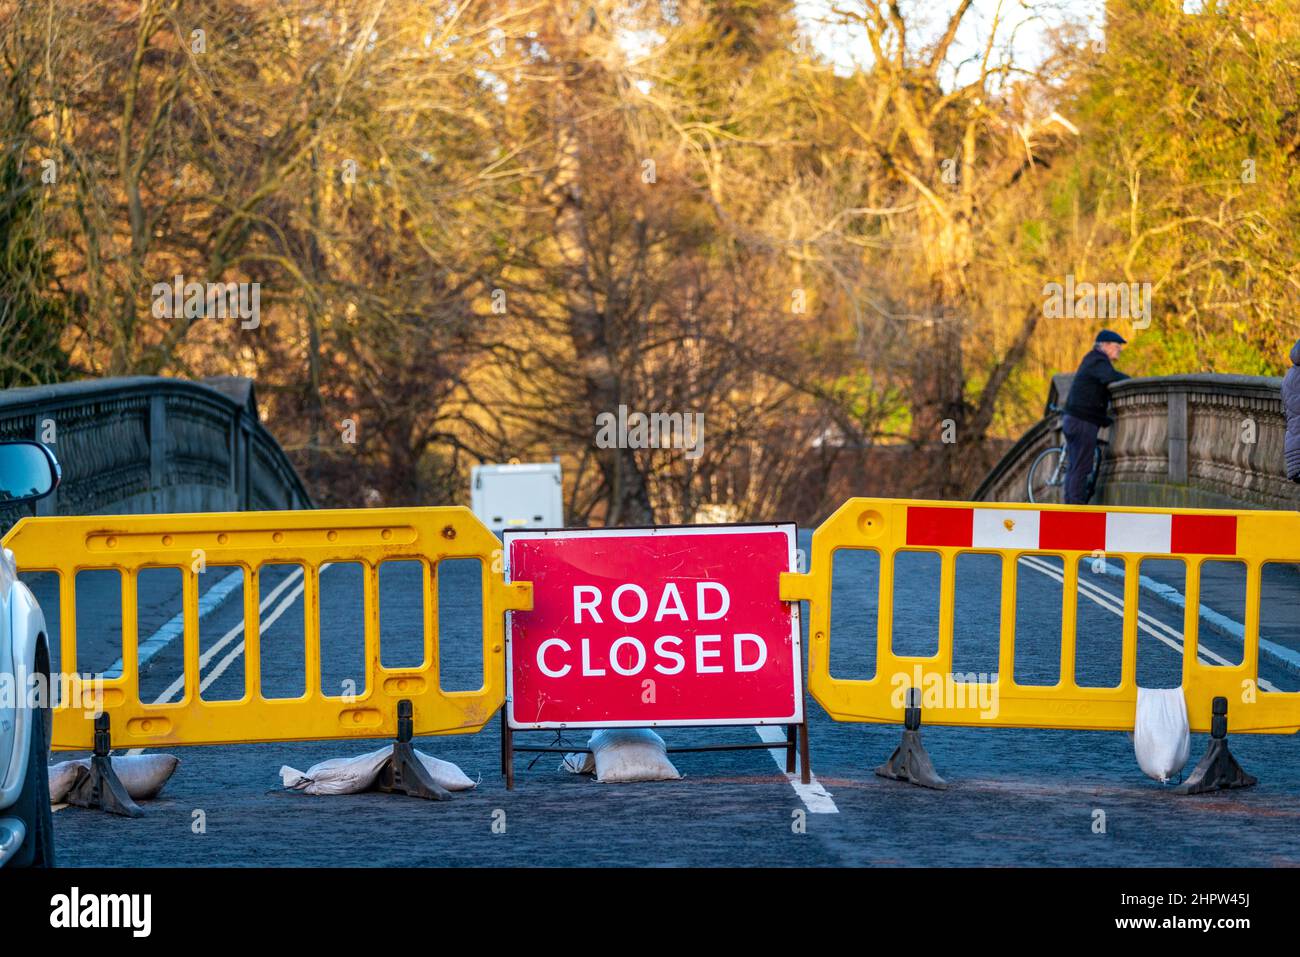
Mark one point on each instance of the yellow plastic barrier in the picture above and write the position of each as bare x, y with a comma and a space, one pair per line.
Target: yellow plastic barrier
250, 540
888, 526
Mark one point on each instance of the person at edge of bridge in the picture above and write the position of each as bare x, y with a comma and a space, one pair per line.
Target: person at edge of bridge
1291, 406
1085, 411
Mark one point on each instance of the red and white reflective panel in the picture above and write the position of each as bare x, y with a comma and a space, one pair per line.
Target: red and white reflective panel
1158, 534
662, 626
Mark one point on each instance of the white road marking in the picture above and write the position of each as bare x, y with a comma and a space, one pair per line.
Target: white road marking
815, 797
205, 659
238, 650
178, 685
1284, 656
209, 601
1147, 623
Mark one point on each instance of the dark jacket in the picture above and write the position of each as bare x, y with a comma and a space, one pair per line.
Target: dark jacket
1291, 405
1089, 393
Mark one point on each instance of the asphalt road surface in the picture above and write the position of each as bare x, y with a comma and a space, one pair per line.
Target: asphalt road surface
1016, 797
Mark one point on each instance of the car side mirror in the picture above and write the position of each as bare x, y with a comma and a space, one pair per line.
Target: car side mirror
28, 471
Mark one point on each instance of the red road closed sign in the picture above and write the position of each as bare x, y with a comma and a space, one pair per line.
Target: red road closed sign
648, 627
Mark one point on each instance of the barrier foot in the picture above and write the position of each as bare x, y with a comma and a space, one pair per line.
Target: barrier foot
403, 772
1218, 770
100, 789
910, 761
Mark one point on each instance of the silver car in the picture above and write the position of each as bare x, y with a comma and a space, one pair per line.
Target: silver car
28, 471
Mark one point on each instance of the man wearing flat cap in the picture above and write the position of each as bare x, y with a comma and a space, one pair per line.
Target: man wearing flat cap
1085, 411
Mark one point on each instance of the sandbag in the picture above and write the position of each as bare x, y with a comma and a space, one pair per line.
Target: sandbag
337, 775
578, 762
143, 775
354, 775
1161, 738
624, 755
445, 774
64, 777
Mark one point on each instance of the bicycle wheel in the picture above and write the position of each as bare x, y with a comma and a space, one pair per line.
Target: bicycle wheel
1095, 474
1046, 482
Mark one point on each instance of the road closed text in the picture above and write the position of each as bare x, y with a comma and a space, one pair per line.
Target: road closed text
666, 654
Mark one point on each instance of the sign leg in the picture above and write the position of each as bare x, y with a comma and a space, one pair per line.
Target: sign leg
508, 752
805, 768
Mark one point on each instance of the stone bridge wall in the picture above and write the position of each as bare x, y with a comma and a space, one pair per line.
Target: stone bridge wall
152, 444
1184, 441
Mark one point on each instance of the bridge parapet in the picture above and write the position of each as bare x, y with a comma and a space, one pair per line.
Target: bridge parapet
152, 444
1203, 440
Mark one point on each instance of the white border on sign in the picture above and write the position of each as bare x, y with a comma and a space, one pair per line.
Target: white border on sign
789, 529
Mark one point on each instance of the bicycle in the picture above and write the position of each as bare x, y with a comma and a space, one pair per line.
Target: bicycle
1045, 484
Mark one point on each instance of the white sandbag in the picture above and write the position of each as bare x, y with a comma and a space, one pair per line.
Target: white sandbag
1161, 739
354, 775
578, 762
143, 775
337, 775
63, 778
624, 755
444, 773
